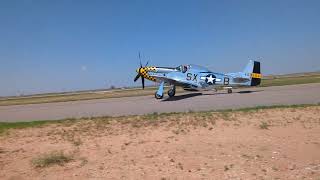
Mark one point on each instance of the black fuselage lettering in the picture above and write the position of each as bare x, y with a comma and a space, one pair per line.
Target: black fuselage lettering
195, 77
226, 81
189, 76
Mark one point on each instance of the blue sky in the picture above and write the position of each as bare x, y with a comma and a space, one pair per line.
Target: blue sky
63, 45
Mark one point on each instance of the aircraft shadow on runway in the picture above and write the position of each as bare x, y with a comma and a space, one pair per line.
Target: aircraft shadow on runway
184, 96
190, 95
247, 92
240, 92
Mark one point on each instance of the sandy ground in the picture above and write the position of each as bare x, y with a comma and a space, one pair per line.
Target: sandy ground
232, 145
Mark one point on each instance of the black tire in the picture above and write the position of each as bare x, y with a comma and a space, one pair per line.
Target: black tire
171, 92
157, 96
229, 91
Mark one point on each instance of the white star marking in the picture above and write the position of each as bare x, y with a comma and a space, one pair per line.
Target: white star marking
210, 79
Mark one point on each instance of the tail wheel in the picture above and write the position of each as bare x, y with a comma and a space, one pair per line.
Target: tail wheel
157, 96
229, 91
171, 92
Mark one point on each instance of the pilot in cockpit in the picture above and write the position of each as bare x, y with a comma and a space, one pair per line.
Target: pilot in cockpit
182, 68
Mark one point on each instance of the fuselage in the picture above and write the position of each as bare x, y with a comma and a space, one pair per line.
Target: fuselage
194, 77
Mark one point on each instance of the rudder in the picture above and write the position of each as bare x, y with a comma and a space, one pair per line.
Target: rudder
256, 74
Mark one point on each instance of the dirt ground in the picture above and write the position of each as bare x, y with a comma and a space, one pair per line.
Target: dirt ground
265, 144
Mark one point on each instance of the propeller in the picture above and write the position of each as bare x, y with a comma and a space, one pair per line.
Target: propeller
139, 72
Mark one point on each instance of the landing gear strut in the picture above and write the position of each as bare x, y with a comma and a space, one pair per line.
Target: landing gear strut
172, 91
229, 91
159, 93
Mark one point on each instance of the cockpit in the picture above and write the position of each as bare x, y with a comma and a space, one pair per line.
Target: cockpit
182, 68
185, 68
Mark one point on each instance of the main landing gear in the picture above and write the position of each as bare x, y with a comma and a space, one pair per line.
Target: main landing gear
172, 91
159, 93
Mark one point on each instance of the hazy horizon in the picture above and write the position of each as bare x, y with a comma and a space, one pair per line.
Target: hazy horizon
57, 46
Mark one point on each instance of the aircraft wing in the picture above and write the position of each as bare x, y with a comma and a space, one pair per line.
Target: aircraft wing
174, 81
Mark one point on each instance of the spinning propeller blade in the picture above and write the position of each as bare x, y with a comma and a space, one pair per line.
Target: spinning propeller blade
142, 80
139, 73
140, 60
137, 77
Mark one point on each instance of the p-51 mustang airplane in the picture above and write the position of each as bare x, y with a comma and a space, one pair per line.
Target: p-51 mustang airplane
193, 78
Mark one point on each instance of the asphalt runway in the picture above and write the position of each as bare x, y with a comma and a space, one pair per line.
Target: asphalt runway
192, 101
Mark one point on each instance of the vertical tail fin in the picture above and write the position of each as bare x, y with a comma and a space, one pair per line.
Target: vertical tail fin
253, 68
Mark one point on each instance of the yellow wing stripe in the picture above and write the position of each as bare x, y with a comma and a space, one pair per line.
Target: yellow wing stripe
256, 75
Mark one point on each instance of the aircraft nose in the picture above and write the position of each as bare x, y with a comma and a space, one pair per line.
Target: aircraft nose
145, 69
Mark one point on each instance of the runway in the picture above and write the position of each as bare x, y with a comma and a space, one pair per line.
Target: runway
192, 101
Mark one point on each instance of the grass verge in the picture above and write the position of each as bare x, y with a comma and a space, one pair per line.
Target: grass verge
4, 126
20, 125
291, 80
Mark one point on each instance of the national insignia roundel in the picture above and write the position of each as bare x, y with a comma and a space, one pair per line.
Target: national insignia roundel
210, 79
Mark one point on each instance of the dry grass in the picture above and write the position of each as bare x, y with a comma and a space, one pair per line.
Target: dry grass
52, 158
264, 125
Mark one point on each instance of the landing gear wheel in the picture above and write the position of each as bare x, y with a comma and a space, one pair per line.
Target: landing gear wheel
157, 96
229, 91
171, 92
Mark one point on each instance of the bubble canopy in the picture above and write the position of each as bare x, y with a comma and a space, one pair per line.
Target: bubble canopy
184, 68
